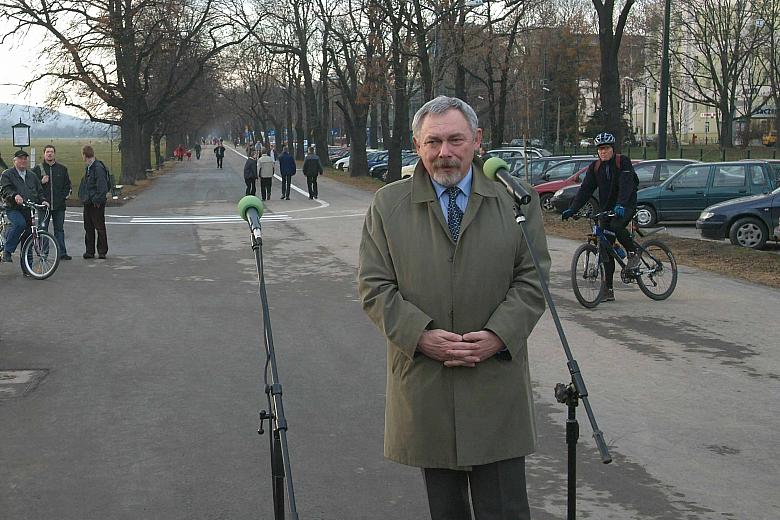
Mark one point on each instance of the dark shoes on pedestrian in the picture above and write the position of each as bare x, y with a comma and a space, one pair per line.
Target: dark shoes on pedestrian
7, 257
66, 257
102, 257
287, 198
87, 256
609, 296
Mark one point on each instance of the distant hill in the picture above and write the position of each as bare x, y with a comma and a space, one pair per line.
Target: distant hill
47, 123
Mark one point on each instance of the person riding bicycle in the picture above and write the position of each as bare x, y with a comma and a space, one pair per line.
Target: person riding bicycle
617, 182
17, 186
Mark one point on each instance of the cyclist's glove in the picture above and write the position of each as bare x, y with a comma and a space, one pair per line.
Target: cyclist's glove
620, 211
567, 213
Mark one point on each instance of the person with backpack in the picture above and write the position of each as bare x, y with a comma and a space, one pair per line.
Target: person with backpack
93, 191
617, 182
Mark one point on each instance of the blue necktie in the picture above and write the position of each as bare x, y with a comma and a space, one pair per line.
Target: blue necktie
454, 214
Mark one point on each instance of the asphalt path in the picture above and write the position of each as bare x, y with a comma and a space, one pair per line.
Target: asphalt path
130, 387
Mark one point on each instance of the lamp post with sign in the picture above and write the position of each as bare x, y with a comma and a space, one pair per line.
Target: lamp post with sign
21, 134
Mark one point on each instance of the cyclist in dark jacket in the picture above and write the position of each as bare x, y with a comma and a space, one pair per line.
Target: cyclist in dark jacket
617, 192
18, 185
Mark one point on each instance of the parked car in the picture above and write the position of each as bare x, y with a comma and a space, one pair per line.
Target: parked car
509, 153
373, 156
563, 170
650, 173
547, 189
685, 194
379, 170
536, 167
747, 221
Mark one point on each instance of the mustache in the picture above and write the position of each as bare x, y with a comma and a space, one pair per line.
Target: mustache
446, 163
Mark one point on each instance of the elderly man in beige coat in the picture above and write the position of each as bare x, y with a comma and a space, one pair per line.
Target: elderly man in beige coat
446, 276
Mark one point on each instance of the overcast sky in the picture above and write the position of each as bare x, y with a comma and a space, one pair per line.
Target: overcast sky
20, 57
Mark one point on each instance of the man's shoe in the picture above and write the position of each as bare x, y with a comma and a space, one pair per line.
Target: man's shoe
7, 257
87, 256
633, 260
282, 197
287, 198
609, 296
102, 257
66, 257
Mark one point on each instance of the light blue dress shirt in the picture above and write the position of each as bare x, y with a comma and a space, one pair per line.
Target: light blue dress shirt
461, 200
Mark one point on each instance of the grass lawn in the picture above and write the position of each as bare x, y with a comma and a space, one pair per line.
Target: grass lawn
69, 154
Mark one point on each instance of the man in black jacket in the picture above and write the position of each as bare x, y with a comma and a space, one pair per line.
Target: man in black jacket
250, 174
311, 169
92, 192
56, 188
219, 152
617, 182
18, 185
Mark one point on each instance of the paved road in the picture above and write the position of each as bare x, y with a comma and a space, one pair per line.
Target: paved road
152, 376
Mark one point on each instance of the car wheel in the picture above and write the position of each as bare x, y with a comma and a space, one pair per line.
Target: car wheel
645, 216
340, 166
748, 232
589, 208
546, 201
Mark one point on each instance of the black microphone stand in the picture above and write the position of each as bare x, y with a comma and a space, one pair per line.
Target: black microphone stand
280, 456
570, 394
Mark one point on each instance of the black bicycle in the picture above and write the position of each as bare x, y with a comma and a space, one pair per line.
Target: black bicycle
40, 254
656, 274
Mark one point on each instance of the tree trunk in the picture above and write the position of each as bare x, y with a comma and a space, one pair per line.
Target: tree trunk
726, 133
610, 89
132, 149
156, 138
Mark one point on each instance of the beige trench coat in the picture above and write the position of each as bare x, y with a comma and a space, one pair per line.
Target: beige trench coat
413, 277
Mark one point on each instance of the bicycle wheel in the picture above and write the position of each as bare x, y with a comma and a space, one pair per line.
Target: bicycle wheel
40, 255
4, 226
587, 276
657, 270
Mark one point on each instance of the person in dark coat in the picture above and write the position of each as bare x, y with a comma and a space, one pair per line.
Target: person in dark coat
250, 174
197, 151
93, 192
617, 182
287, 168
18, 185
219, 153
56, 188
312, 168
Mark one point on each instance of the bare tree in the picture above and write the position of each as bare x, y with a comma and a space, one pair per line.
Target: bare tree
717, 39
610, 36
104, 58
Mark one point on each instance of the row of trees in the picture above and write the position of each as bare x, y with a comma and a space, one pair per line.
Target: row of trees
179, 67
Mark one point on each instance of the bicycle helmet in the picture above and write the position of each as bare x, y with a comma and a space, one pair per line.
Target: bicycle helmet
604, 138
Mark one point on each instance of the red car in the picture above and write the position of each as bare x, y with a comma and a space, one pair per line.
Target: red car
547, 189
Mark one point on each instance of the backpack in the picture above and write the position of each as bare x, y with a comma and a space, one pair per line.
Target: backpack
109, 179
594, 167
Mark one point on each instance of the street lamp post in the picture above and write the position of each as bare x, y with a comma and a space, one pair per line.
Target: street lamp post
21, 134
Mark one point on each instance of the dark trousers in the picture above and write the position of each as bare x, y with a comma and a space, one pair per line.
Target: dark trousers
58, 217
219, 162
197, 154
95, 222
251, 187
286, 181
311, 183
616, 225
498, 492
265, 187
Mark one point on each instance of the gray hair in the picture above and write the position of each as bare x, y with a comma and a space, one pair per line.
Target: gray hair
441, 105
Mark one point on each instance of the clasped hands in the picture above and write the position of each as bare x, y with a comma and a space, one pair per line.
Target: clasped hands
455, 350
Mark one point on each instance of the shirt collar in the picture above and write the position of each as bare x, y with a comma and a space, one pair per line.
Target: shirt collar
464, 184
